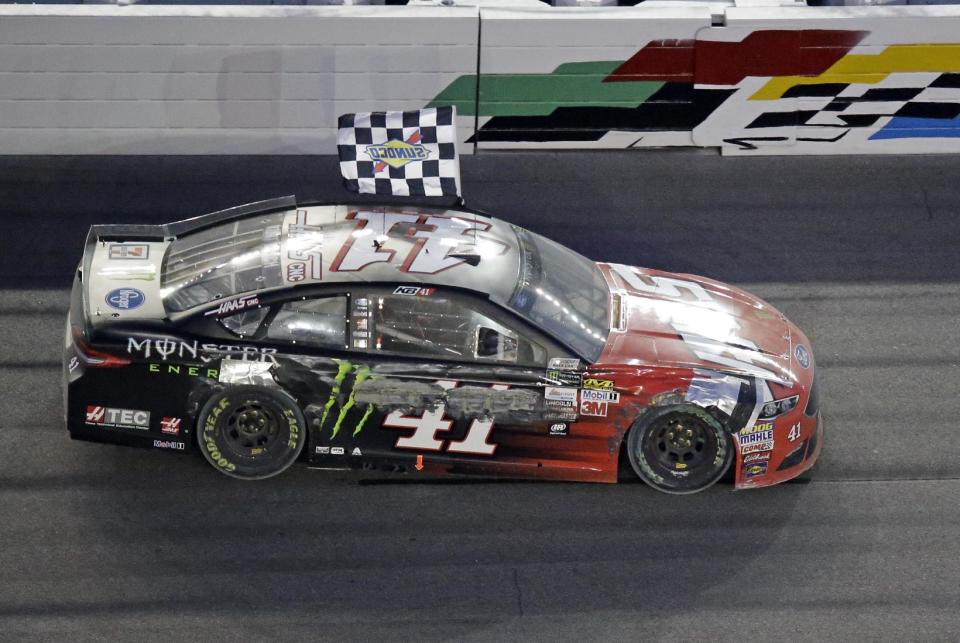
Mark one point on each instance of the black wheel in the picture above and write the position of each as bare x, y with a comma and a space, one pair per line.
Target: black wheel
679, 449
250, 432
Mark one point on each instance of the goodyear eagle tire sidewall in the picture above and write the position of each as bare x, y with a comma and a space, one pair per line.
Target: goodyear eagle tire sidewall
212, 424
697, 481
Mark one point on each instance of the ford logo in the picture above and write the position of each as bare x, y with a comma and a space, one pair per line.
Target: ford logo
803, 356
125, 298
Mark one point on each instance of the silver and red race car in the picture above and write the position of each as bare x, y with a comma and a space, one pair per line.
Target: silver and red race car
427, 340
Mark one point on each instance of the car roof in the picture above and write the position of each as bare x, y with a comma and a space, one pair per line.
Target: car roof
263, 251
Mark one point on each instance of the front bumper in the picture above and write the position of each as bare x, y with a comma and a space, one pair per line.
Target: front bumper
753, 471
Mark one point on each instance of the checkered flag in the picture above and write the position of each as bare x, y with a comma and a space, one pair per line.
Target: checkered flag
400, 153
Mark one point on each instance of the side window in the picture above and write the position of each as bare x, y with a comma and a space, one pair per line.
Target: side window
317, 322
438, 326
246, 323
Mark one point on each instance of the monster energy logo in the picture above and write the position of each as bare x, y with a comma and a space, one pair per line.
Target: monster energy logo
362, 374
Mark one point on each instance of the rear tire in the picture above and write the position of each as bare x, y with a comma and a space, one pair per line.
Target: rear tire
679, 449
251, 432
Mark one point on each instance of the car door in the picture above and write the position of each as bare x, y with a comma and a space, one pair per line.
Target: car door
441, 378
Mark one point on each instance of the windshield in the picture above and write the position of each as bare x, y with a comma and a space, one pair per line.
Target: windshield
563, 293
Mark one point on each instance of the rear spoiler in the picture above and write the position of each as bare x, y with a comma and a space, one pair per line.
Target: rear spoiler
195, 224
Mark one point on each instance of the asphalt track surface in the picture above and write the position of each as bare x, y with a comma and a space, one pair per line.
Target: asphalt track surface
863, 253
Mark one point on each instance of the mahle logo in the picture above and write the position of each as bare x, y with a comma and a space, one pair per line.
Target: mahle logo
398, 153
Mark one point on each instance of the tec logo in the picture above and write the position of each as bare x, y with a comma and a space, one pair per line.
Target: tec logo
125, 298
117, 418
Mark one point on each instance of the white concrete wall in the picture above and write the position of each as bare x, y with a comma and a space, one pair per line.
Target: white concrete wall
101, 79
216, 80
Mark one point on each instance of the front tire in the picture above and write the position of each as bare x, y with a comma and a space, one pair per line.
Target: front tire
251, 432
679, 449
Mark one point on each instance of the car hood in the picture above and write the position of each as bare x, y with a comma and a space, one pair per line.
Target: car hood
685, 321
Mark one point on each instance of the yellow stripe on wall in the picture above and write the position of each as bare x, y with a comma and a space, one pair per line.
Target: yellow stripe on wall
860, 68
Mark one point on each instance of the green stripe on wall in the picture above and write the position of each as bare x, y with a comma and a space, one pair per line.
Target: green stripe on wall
569, 85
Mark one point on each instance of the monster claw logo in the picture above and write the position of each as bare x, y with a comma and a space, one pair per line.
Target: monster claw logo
361, 374
396, 153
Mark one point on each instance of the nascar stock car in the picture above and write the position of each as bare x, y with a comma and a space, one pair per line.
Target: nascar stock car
427, 340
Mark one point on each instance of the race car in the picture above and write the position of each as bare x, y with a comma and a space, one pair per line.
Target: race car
427, 340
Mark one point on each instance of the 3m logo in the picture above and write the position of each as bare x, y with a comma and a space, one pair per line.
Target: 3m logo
593, 408
95, 414
427, 426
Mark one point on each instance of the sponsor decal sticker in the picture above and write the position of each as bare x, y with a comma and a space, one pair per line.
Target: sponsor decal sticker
566, 378
597, 385
397, 153
559, 428
757, 428
304, 248
74, 362
755, 469
125, 298
759, 446
169, 444
164, 348
356, 451
296, 271
560, 394
178, 369
336, 451
415, 291
600, 396
803, 356
118, 418
128, 251
755, 437
323, 450
588, 407
234, 306
564, 363
170, 425
756, 457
